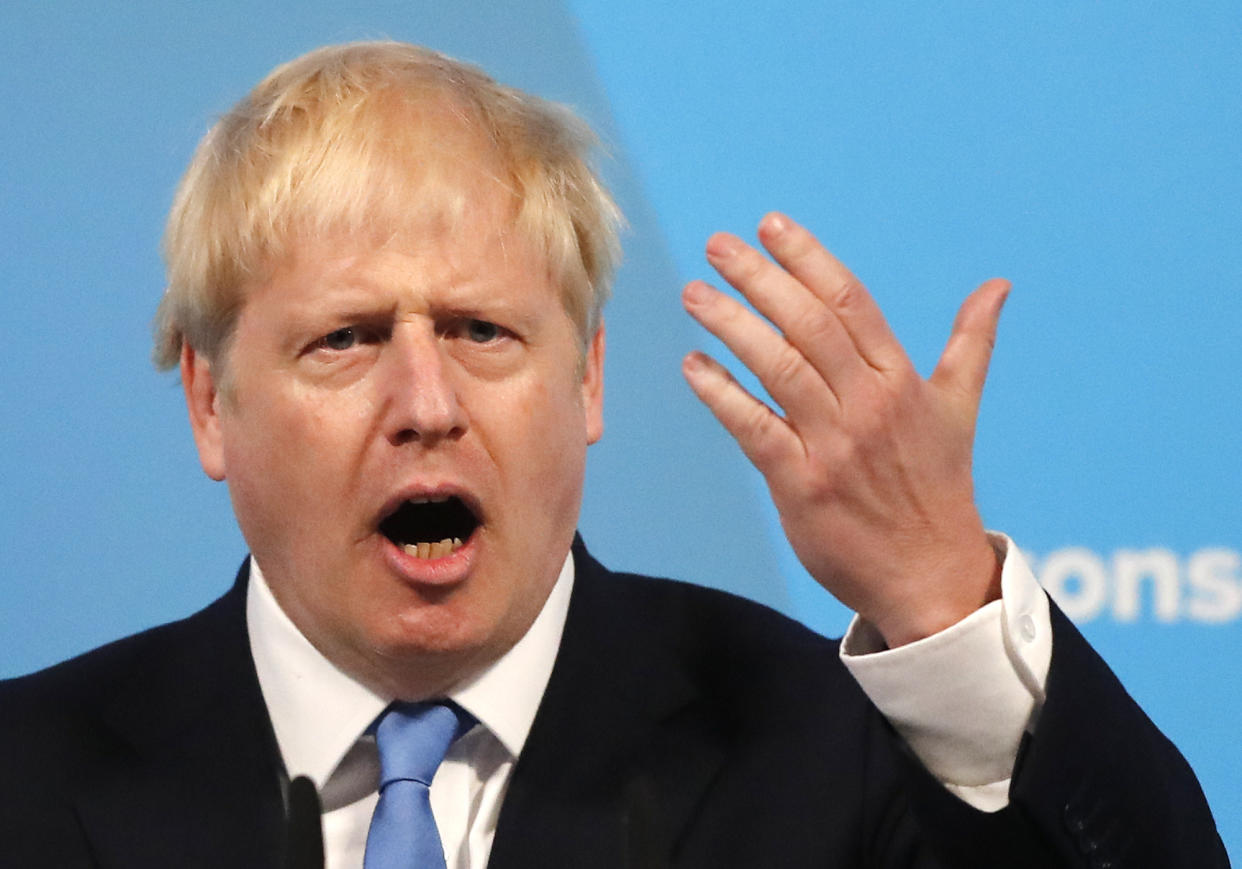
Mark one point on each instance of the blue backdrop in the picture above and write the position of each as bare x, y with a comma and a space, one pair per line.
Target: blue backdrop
1087, 151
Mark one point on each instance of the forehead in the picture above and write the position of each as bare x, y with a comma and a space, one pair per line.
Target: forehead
453, 209
476, 265
465, 267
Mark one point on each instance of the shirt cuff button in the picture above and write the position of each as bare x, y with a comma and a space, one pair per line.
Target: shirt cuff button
1026, 628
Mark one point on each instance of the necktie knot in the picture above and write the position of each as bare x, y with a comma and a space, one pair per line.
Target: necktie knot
414, 737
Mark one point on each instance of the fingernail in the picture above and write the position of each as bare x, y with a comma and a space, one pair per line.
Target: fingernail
1004, 294
774, 223
693, 363
722, 245
695, 293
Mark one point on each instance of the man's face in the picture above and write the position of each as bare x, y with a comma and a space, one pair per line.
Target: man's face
381, 400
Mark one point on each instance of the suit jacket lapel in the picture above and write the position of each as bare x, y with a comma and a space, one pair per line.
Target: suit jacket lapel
194, 776
621, 749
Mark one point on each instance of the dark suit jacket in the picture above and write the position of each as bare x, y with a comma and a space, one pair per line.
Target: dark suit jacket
681, 727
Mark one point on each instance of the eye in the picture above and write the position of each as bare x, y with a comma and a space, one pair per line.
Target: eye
349, 337
341, 339
481, 331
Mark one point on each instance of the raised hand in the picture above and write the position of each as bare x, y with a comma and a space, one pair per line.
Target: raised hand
870, 464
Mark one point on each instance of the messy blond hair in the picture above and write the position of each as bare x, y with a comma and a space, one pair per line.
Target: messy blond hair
365, 138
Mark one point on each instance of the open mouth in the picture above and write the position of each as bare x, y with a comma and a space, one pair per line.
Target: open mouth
430, 527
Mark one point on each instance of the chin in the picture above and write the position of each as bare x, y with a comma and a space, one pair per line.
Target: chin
415, 665
435, 634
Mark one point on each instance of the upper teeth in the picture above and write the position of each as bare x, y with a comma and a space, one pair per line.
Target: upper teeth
438, 499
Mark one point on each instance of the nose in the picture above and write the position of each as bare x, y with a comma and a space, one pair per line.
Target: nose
422, 394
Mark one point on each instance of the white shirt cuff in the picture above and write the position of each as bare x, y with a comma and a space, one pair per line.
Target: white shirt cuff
962, 698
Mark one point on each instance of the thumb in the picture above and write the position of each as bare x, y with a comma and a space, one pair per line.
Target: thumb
963, 366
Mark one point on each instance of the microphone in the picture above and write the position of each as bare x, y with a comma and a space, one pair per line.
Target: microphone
303, 827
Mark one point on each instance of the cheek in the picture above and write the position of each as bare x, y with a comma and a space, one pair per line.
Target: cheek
549, 422
279, 455
263, 440
558, 444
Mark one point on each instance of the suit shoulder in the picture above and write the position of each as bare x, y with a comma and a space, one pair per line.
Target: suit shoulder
748, 668
67, 691
740, 619
735, 643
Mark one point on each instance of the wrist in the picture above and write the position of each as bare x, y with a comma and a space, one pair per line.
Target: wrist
947, 590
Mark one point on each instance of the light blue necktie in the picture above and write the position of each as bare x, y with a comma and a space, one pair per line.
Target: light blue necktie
413, 739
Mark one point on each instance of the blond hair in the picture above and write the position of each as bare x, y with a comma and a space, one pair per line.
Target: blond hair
365, 138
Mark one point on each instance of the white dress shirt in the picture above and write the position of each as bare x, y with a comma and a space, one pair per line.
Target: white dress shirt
961, 699
320, 716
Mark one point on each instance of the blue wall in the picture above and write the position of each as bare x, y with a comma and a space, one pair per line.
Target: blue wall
1087, 151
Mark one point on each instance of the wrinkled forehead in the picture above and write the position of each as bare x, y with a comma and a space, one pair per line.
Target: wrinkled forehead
479, 259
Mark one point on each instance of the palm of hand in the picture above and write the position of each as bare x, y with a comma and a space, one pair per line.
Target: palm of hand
870, 465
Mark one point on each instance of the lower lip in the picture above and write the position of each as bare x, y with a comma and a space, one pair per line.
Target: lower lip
443, 571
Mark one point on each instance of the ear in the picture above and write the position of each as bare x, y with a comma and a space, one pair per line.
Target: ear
202, 401
593, 387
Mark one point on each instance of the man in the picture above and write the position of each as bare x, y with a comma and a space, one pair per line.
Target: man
386, 276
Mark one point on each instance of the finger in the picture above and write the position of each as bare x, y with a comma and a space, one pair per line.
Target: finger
766, 439
798, 251
963, 365
802, 317
784, 372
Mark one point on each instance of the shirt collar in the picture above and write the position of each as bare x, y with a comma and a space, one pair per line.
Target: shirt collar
318, 711
506, 695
